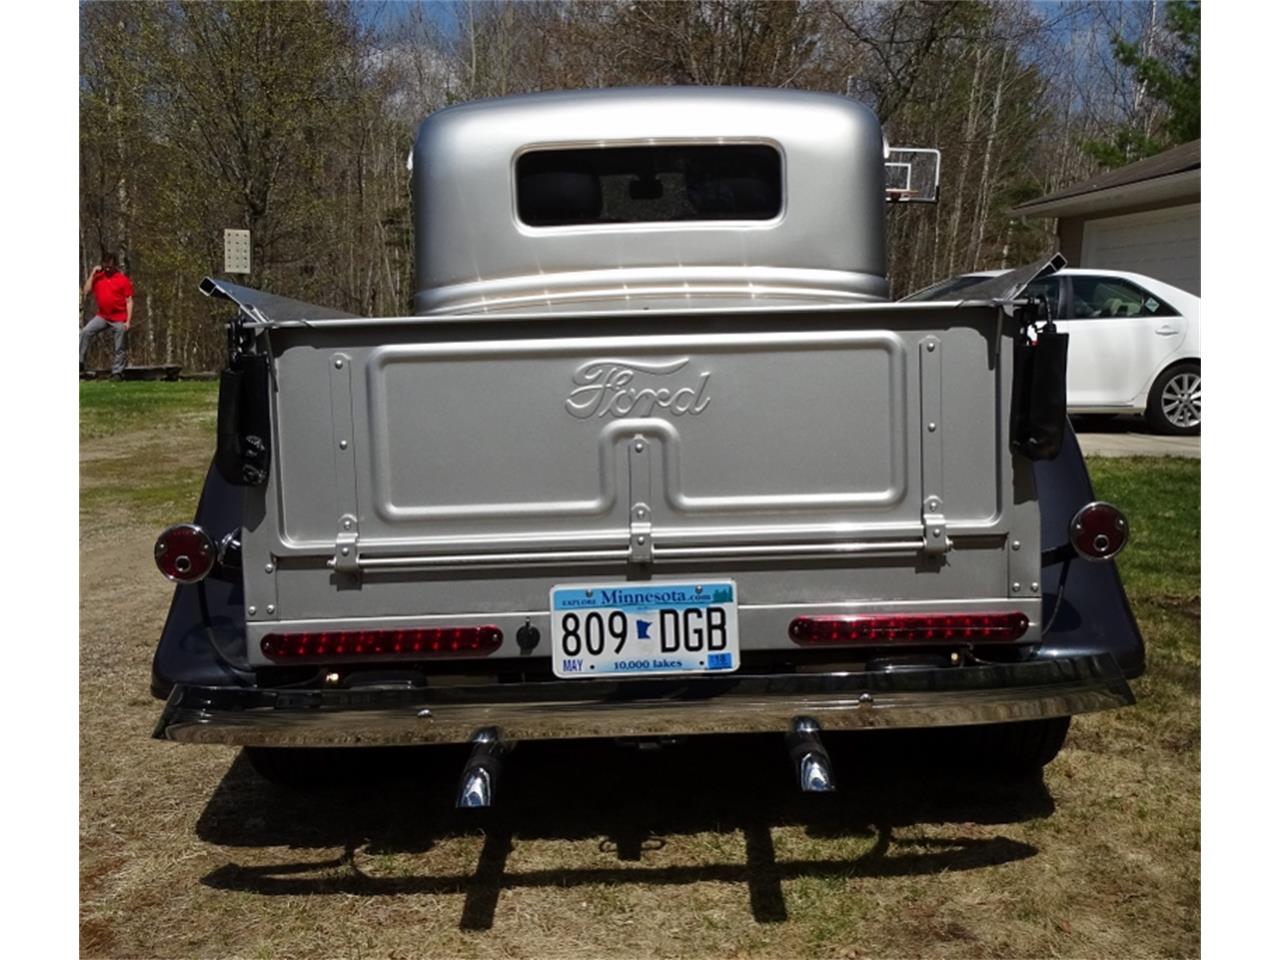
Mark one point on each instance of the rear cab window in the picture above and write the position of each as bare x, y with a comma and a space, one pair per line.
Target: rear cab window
648, 184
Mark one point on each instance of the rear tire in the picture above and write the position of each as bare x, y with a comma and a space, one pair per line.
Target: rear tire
296, 768
315, 769
1173, 406
1019, 748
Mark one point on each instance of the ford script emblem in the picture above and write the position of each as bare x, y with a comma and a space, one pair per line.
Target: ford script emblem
637, 388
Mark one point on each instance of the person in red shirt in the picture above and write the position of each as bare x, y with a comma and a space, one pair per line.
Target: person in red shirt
113, 293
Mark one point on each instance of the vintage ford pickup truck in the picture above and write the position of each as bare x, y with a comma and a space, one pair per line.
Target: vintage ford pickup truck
653, 457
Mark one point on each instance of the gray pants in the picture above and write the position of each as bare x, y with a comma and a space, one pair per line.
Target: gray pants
95, 327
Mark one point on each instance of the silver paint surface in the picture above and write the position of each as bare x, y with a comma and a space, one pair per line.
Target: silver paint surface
470, 482
473, 254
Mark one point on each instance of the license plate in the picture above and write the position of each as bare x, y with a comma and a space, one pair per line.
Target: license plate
631, 629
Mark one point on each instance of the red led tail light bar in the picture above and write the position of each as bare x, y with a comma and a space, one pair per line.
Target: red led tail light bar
877, 628
412, 641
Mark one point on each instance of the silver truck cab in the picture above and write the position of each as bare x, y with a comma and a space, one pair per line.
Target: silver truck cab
652, 457
679, 197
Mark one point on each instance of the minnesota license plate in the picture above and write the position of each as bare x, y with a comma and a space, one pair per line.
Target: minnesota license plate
629, 629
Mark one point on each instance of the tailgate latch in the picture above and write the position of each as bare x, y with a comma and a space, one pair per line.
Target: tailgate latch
936, 541
346, 548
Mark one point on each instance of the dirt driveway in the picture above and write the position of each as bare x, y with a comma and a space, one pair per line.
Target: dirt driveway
704, 849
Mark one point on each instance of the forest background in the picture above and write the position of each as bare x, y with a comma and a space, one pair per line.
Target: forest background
295, 119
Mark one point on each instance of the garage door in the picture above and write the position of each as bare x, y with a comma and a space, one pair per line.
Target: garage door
1164, 244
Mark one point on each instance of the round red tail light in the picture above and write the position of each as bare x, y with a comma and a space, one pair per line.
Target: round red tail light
1099, 531
185, 553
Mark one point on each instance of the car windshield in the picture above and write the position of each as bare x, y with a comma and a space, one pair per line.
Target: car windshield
946, 290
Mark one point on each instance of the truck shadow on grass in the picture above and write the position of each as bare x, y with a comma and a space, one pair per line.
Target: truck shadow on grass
633, 801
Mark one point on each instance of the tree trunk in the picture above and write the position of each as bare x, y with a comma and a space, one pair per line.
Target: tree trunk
984, 184
970, 132
149, 355
168, 327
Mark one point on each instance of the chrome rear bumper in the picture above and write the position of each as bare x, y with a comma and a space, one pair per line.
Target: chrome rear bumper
643, 708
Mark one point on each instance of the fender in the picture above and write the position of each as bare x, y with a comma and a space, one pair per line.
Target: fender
1094, 616
184, 654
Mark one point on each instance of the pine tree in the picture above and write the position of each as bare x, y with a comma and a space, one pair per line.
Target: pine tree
1171, 78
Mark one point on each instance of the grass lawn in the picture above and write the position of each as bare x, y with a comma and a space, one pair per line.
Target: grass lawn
108, 408
1161, 573
144, 449
703, 850
1162, 497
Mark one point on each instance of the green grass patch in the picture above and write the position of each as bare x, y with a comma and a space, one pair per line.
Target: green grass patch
1161, 496
1161, 573
1161, 565
108, 408
158, 500
145, 448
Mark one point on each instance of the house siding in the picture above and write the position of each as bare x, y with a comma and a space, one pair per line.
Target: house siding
1071, 229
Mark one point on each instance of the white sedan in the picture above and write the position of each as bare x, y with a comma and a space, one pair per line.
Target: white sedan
1135, 342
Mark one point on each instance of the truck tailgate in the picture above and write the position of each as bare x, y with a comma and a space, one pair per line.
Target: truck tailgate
460, 467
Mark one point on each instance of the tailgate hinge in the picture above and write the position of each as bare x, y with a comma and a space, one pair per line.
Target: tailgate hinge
641, 534
641, 518
346, 547
936, 541
931, 426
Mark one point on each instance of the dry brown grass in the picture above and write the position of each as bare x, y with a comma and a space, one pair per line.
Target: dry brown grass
700, 850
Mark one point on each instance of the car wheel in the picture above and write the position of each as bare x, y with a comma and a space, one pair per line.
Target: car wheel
1173, 406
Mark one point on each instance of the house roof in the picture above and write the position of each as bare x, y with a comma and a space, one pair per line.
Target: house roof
1168, 175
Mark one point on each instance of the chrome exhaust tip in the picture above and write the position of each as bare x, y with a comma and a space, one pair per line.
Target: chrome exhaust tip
812, 763
480, 774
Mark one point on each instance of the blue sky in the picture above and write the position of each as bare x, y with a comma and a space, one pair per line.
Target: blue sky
381, 13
